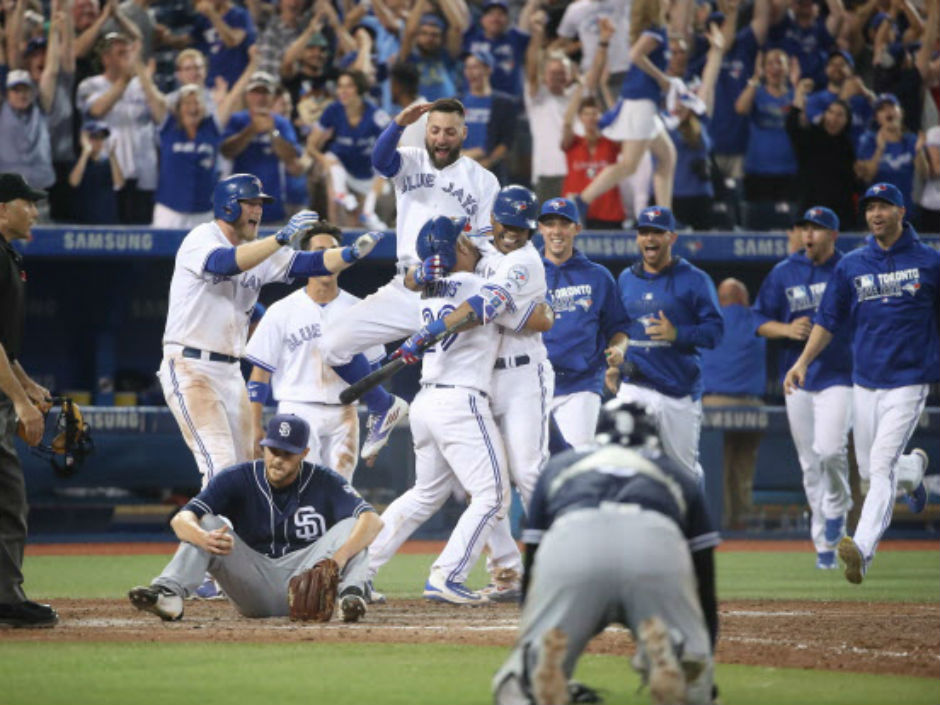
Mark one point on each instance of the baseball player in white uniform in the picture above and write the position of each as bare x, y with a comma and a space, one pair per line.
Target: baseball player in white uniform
428, 182
288, 365
220, 268
455, 437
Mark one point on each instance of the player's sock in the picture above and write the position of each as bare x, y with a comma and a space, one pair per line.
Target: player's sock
368, 204
377, 399
338, 179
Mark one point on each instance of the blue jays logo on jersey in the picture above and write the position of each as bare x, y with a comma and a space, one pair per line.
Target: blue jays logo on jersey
804, 298
571, 298
887, 284
310, 524
304, 334
519, 275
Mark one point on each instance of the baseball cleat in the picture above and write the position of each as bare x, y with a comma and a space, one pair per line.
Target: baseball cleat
666, 679
549, 685
506, 587
27, 615
855, 564
209, 590
381, 425
373, 596
439, 589
826, 560
159, 600
835, 530
352, 605
916, 499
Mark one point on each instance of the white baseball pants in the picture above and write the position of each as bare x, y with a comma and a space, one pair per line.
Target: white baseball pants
679, 422
885, 420
210, 403
334, 434
820, 423
576, 415
455, 436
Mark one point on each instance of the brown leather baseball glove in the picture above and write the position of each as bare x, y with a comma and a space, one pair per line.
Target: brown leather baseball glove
311, 595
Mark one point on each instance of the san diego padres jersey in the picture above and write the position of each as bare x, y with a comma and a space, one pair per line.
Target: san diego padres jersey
422, 192
521, 275
465, 359
211, 311
287, 344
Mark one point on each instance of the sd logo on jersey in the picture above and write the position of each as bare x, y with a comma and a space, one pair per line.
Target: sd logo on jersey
310, 524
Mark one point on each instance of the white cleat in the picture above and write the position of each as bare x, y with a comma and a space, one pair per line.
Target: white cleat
440, 589
158, 600
381, 425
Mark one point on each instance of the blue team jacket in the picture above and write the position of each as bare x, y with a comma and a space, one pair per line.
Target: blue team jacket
793, 289
687, 296
890, 298
588, 312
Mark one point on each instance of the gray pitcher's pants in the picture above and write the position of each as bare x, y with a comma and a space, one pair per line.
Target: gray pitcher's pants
599, 566
255, 583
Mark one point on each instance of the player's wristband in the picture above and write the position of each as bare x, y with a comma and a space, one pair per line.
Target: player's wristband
436, 327
258, 392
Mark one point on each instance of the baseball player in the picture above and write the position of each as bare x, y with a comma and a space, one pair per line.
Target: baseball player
286, 515
820, 414
288, 364
523, 381
673, 311
653, 571
889, 292
428, 182
455, 435
589, 323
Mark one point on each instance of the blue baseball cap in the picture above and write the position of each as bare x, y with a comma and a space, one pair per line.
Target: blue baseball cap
844, 54
716, 17
564, 207
287, 432
483, 55
821, 216
489, 4
657, 217
434, 20
889, 193
885, 99
96, 127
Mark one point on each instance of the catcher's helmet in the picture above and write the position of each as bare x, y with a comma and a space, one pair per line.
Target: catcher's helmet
627, 424
438, 236
72, 439
229, 191
517, 206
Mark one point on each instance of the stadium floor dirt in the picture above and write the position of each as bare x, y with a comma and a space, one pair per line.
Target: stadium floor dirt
896, 639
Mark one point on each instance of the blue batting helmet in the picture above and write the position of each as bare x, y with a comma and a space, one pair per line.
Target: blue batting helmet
517, 206
438, 236
229, 191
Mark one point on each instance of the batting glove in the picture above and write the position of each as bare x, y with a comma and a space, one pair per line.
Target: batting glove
412, 350
291, 233
430, 270
363, 245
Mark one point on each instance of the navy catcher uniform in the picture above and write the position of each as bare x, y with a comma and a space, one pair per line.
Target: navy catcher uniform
285, 514
653, 570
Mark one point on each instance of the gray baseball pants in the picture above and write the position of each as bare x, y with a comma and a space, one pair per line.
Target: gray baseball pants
255, 583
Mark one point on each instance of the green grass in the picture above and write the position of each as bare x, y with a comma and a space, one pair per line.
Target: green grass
369, 674
896, 576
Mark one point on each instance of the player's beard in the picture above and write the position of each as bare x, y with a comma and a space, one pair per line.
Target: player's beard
453, 155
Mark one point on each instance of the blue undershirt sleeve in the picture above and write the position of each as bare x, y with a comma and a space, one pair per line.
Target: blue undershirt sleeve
222, 262
385, 156
308, 264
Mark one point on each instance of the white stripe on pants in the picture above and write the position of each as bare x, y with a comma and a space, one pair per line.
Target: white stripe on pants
885, 420
819, 425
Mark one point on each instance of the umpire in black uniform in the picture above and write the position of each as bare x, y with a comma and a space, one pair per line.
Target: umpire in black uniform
20, 398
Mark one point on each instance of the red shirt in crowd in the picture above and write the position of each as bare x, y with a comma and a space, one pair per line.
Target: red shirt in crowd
583, 165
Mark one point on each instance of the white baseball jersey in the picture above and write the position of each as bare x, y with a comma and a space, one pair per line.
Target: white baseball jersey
287, 344
210, 311
465, 359
522, 275
422, 192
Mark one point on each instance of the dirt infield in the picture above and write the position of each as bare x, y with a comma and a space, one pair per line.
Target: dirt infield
896, 639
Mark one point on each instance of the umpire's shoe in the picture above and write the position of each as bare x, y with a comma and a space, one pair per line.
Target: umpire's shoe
381, 425
352, 604
160, 600
27, 615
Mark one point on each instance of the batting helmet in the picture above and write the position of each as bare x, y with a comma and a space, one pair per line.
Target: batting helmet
229, 191
626, 423
438, 236
517, 206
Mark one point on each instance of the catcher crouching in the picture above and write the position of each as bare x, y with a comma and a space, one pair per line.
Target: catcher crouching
281, 537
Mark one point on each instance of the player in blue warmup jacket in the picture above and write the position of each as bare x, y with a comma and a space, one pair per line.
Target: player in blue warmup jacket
673, 311
820, 414
888, 291
281, 516
590, 323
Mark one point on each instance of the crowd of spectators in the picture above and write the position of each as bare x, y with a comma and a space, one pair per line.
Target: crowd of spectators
734, 112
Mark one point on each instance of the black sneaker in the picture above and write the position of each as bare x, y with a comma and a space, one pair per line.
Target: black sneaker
28, 615
352, 604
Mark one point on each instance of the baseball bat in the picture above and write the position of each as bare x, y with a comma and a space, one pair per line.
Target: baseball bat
355, 390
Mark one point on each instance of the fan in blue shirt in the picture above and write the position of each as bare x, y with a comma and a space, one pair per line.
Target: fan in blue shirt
590, 323
673, 312
800, 32
506, 44
281, 516
840, 68
223, 32
425, 45
889, 293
